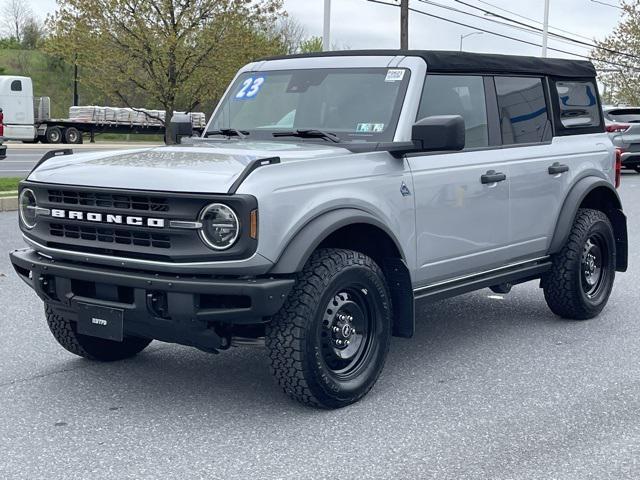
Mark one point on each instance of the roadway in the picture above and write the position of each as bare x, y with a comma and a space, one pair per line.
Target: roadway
491, 387
21, 157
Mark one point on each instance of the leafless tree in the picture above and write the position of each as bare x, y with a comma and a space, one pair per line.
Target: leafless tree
15, 15
291, 34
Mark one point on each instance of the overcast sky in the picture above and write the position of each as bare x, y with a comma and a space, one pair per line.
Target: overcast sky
362, 24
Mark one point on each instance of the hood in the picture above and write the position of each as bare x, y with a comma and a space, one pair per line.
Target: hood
207, 167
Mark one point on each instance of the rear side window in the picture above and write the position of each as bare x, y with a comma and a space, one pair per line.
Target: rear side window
625, 115
458, 95
522, 106
578, 104
16, 86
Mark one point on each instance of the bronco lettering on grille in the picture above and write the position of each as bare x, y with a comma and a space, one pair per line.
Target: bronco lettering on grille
108, 218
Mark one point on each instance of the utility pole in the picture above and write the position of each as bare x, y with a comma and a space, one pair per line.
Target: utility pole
545, 28
75, 81
326, 30
404, 24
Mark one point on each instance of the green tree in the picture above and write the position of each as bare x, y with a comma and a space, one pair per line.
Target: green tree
311, 45
617, 57
175, 53
33, 33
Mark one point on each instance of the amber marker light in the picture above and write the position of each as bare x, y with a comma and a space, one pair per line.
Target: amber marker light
253, 224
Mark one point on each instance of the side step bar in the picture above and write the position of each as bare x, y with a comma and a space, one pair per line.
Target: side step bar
513, 274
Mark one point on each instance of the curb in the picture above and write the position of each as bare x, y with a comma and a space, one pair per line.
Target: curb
8, 204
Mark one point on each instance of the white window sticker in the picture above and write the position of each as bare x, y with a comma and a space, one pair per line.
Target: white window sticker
250, 88
370, 127
394, 75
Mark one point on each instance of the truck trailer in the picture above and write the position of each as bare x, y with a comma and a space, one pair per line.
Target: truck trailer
28, 118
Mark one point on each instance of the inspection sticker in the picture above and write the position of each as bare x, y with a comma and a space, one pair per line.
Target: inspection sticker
370, 127
394, 75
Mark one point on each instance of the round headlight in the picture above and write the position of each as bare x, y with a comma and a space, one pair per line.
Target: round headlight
28, 205
220, 226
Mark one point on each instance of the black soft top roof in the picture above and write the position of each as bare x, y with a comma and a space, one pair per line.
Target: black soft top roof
465, 62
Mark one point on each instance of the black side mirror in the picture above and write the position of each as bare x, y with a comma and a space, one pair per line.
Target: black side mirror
439, 133
180, 126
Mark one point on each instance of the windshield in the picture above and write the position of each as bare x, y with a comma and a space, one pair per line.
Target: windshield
359, 104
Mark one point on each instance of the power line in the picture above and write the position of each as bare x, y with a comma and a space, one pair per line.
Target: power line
518, 26
607, 4
628, 67
532, 19
517, 22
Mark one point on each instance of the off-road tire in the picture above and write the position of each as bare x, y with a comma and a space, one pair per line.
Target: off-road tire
93, 348
563, 285
293, 335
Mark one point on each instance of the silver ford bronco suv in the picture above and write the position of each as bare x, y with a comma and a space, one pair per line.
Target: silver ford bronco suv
329, 195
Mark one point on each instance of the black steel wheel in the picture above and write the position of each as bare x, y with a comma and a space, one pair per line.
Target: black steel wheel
580, 281
328, 344
347, 330
594, 261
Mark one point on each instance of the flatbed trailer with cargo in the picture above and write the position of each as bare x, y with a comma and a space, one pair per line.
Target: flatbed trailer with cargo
28, 118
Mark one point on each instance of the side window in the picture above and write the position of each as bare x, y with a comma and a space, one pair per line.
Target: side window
578, 104
16, 86
524, 116
457, 95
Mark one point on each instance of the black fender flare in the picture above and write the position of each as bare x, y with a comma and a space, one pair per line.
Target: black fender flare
314, 232
572, 203
310, 235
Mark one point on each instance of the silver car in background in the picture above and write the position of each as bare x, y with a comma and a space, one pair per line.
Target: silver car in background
623, 126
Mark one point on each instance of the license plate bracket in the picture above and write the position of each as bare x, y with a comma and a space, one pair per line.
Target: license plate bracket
102, 322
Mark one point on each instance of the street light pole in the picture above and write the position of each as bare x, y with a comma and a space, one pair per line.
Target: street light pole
545, 28
462, 37
404, 24
326, 30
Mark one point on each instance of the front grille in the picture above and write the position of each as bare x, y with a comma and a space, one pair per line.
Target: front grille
109, 200
110, 235
142, 240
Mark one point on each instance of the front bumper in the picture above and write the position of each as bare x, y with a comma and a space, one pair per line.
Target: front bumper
173, 308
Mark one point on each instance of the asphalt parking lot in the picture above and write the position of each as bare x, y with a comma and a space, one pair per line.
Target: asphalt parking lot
491, 387
22, 157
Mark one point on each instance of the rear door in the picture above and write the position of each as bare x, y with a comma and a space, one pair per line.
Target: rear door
461, 222
538, 177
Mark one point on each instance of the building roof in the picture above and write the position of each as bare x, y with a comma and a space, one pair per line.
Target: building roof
466, 62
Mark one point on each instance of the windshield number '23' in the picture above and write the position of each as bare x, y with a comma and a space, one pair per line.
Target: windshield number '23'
250, 88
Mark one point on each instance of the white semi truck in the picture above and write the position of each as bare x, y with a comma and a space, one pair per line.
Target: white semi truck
28, 118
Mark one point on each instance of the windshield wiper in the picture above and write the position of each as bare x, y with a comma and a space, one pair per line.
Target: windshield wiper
309, 133
229, 132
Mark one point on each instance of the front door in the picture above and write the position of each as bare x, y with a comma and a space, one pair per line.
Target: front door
461, 198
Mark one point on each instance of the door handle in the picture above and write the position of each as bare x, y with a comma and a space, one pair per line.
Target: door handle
493, 177
557, 168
